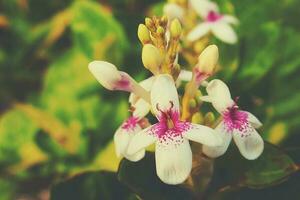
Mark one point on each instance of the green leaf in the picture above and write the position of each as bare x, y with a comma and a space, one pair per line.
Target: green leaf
272, 167
91, 24
289, 189
256, 64
157, 9
7, 189
141, 178
91, 186
16, 130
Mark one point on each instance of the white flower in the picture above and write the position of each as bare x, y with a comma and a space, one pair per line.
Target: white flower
218, 24
123, 137
173, 11
237, 124
108, 75
140, 106
173, 154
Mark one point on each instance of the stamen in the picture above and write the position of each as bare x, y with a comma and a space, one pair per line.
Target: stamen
172, 104
157, 108
170, 122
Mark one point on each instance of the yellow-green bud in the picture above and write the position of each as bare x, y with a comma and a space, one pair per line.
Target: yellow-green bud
160, 30
151, 58
208, 59
192, 103
197, 118
175, 28
198, 96
143, 34
209, 119
148, 21
164, 20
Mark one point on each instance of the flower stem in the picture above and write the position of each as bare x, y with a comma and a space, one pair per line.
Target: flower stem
140, 91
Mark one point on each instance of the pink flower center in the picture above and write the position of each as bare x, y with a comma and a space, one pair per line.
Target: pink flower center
213, 16
234, 119
169, 126
130, 124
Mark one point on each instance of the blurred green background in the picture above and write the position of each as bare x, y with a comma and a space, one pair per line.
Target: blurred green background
56, 120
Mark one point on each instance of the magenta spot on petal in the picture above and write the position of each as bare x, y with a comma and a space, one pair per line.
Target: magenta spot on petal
170, 128
213, 16
123, 83
130, 124
234, 119
200, 76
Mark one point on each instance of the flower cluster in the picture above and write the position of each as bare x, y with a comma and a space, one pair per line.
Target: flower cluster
209, 19
179, 116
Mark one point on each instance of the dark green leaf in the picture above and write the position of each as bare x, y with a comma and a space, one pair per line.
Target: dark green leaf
91, 186
287, 190
141, 178
272, 167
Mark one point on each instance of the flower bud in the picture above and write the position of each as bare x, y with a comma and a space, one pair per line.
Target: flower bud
151, 58
143, 34
160, 30
192, 103
148, 22
106, 73
164, 20
197, 118
209, 119
198, 96
175, 28
208, 59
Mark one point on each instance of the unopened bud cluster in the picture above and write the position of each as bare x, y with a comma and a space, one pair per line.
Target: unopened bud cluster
160, 40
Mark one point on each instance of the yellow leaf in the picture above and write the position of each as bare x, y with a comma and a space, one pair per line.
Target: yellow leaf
58, 26
107, 159
30, 155
67, 137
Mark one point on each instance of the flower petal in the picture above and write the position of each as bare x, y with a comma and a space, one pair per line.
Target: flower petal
141, 106
203, 134
214, 152
141, 140
199, 31
121, 139
219, 95
164, 94
206, 98
249, 143
106, 73
173, 11
253, 120
136, 157
224, 32
202, 7
230, 19
173, 162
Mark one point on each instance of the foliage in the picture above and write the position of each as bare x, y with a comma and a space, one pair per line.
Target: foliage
56, 122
